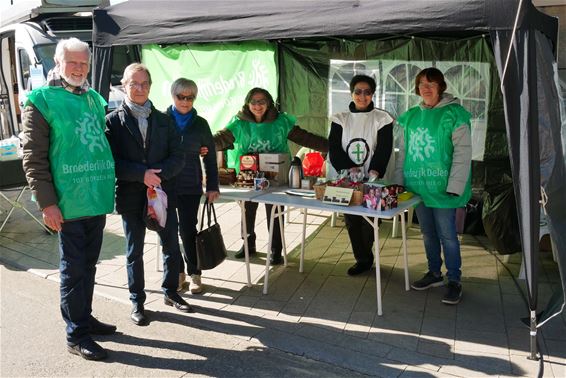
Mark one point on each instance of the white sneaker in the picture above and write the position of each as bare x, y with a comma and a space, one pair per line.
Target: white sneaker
182, 278
196, 284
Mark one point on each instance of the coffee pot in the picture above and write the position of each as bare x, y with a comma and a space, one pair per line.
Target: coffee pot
295, 173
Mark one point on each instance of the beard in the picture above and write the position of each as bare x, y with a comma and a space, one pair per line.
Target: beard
74, 82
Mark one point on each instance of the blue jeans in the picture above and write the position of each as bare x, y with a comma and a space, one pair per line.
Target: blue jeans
79, 247
134, 228
188, 205
438, 227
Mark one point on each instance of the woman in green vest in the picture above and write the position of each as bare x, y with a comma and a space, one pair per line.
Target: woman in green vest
260, 128
434, 162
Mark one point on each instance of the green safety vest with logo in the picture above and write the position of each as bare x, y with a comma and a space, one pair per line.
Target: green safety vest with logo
80, 158
428, 153
251, 137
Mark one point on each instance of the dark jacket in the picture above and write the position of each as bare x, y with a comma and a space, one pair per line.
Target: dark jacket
36, 157
195, 135
163, 151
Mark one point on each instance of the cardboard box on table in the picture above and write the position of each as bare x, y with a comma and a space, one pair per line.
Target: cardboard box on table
275, 167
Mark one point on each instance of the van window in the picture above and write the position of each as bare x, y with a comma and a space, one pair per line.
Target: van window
25, 62
45, 54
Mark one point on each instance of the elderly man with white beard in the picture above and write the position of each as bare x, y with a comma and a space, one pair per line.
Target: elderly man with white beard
70, 170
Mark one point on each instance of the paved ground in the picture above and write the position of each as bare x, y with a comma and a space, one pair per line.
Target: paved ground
312, 322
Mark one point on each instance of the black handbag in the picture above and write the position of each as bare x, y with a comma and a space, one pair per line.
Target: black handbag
209, 242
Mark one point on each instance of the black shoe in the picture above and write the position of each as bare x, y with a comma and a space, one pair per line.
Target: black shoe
429, 280
275, 258
138, 315
88, 349
99, 328
453, 293
179, 303
358, 268
241, 253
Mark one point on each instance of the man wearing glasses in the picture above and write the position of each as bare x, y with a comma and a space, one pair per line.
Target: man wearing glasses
148, 154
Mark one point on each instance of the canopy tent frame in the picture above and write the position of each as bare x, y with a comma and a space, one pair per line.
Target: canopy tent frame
530, 97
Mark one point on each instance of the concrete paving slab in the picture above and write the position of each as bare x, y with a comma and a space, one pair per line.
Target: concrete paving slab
356, 361
478, 341
322, 315
417, 372
360, 323
438, 347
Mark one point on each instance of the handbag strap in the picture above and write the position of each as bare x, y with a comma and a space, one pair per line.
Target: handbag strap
208, 208
213, 213
202, 214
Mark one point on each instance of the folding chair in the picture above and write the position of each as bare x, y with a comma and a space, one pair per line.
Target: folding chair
13, 178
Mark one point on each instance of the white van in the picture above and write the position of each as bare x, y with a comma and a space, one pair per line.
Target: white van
29, 33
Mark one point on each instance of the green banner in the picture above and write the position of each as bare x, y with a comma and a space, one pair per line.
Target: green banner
224, 74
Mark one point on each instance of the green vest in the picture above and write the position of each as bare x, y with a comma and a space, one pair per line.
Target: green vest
251, 137
80, 158
428, 153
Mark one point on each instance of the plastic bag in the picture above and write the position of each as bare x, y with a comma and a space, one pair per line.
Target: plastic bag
312, 164
10, 149
156, 215
500, 220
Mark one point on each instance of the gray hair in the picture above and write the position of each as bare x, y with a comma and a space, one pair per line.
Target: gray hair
182, 84
70, 44
133, 68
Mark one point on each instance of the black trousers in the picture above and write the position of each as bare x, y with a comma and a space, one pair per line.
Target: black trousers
187, 207
251, 211
361, 238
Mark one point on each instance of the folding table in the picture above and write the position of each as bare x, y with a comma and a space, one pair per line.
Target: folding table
279, 199
241, 196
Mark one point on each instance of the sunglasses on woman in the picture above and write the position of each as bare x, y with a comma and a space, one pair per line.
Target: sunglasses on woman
180, 97
258, 102
365, 92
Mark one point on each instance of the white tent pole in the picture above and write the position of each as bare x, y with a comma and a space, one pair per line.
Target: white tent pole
511, 43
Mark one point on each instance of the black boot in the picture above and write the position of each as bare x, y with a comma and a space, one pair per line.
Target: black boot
251, 249
275, 258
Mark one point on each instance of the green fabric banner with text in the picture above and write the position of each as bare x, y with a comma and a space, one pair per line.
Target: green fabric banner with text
224, 74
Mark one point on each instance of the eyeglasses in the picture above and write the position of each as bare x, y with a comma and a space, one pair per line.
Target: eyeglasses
145, 85
428, 85
258, 102
180, 97
365, 92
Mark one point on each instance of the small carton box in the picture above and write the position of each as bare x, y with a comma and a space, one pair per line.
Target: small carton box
372, 196
272, 162
276, 167
380, 197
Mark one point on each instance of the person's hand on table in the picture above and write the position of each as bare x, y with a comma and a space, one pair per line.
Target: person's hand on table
52, 217
356, 174
373, 175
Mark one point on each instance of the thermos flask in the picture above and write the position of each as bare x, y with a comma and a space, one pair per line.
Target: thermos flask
295, 173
